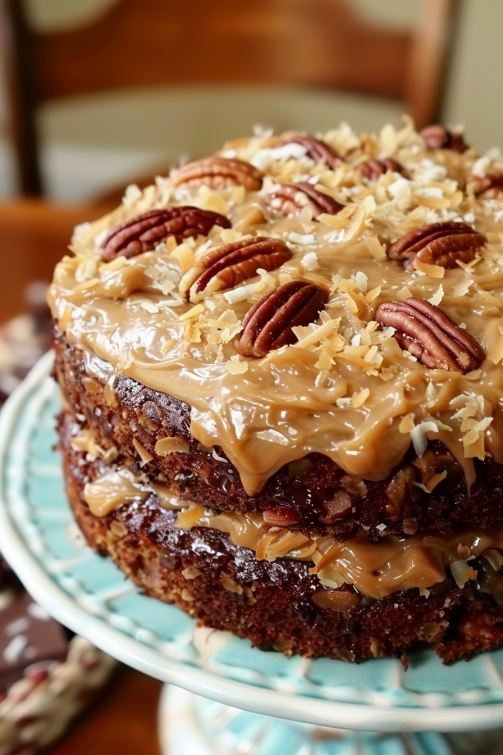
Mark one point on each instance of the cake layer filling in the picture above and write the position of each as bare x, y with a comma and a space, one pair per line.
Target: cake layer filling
375, 569
120, 486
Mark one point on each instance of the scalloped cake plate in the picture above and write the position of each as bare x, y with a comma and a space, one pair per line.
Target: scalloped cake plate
90, 595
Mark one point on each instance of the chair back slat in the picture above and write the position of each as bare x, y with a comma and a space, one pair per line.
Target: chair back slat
154, 43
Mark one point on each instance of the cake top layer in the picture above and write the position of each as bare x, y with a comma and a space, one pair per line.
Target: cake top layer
340, 294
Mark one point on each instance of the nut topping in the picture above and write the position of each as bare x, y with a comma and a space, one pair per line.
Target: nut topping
488, 186
268, 325
219, 173
290, 199
438, 244
317, 150
145, 232
372, 169
231, 264
430, 335
438, 137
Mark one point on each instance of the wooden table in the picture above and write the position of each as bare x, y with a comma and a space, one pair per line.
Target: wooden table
122, 719
33, 237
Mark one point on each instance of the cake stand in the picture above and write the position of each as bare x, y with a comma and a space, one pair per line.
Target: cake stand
242, 699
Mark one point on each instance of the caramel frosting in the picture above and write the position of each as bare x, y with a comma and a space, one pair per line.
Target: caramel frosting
119, 486
375, 569
345, 388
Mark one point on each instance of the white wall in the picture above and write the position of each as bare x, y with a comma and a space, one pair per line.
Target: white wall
96, 145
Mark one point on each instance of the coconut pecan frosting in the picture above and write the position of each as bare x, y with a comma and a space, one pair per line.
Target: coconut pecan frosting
334, 293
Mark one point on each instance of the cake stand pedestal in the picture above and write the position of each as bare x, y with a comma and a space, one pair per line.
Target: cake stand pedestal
260, 697
193, 725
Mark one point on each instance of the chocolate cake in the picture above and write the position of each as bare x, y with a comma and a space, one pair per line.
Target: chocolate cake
282, 380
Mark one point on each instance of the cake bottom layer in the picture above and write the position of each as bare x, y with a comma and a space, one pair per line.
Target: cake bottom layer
271, 603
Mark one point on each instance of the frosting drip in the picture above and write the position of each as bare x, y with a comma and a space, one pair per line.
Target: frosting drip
346, 389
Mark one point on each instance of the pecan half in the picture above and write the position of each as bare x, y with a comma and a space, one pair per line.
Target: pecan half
430, 335
438, 244
231, 264
289, 200
145, 232
372, 169
219, 173
268, 325
317, 150
488, 186
436, 136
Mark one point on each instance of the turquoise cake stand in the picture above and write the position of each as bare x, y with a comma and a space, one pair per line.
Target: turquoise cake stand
234, 699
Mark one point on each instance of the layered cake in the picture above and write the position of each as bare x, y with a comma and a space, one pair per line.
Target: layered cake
281, 370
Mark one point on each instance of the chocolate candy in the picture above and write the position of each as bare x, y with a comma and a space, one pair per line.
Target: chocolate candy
29, 638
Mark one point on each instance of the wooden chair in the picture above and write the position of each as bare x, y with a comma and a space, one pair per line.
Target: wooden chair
151, 43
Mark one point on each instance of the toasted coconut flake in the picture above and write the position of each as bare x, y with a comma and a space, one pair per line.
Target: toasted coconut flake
406, 424
310, 261
230, 235
242, 293
473, 375
356, 225
166, 446
486, 295
236, 366
473, 445
361, 281
372, 295
170, 242
195, 311
337, 221
208, 199
388, 140
463, 288
150, 307
111, 267
65, 318
303, 239
433, 271
358, 399
316, 335
168, 345
462, 573
376, 249
344, 402
418, 436
495, 353
184, 254
143, 453
87, 270
435, 481
437, 296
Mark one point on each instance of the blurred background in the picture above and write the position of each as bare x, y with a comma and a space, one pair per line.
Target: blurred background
95, 94
202, 72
